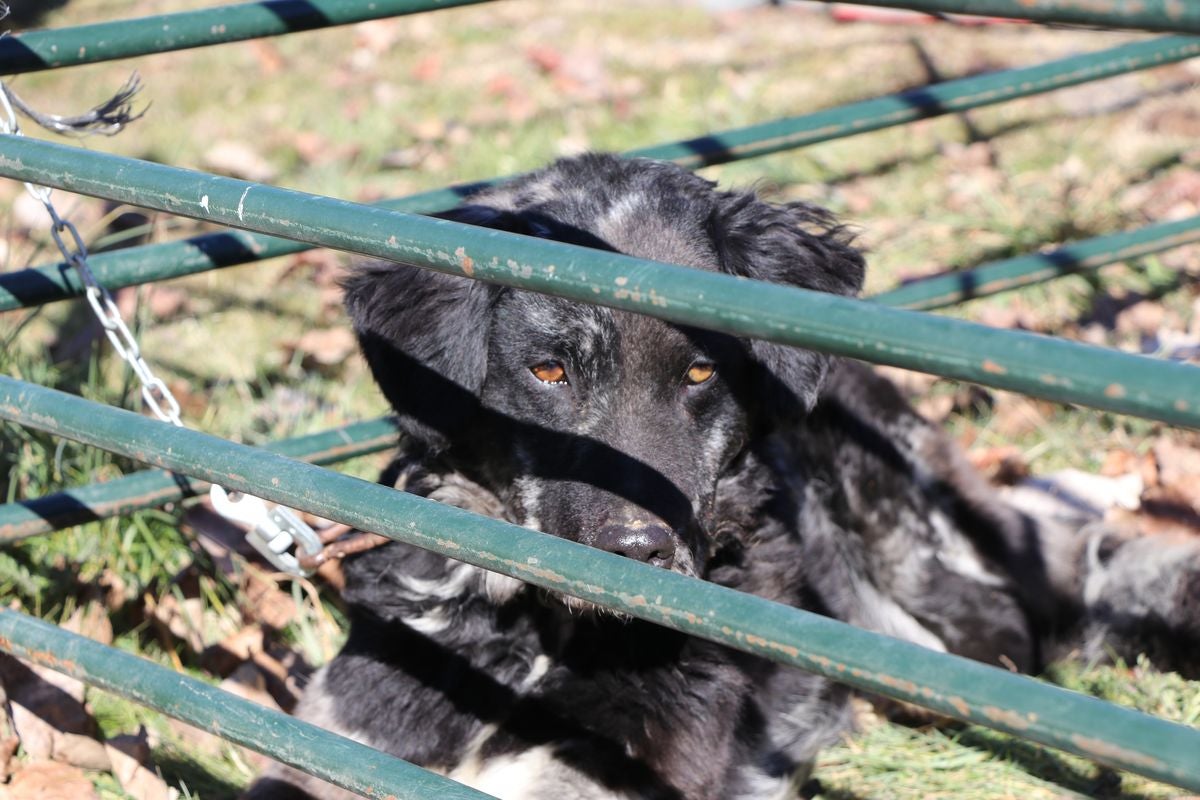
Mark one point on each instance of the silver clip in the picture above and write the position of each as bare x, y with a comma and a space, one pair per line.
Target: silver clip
273, 531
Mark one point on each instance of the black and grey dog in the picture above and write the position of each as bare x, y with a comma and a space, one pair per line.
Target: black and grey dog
765, 468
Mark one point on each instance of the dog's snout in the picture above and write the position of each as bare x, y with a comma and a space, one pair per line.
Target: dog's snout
653, 544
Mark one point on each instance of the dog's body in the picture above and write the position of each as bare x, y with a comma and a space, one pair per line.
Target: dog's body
752, 465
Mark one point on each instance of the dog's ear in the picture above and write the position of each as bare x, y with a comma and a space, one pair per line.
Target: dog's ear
424, 335
794, 244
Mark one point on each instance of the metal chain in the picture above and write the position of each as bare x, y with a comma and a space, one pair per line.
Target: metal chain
273, 531
157, 396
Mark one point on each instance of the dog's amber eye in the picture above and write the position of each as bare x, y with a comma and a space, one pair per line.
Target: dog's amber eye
549, 372
700, 372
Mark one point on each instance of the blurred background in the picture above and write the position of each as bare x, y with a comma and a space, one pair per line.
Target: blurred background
392, 107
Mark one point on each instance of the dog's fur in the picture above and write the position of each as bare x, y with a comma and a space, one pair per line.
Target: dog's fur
784, 475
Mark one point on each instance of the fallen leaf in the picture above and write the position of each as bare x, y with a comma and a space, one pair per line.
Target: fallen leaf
248, 683
227, 655
166, 301
270, 60
131, 765
376, 36
1178, 467
547, 59
1005, 464
265, 602
182, 620
47, 780
238, 160
49, 716
9, 741
1015, 415
91, 620
324, 347
429, 68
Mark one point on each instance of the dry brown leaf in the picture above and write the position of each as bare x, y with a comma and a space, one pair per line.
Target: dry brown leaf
238, 160
183, 620
1015, 415
233, 651
376, 36
325, 348
167, 301
547, 59
131, 765
9, 741
270, 60
47, 780
249, 683
1005, 464
1179, 468
429, 68
265, 601
49, 716
91, 620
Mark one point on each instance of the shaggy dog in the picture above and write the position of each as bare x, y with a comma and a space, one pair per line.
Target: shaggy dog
760, 467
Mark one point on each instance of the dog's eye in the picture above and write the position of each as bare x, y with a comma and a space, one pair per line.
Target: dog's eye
700, 372
549, 372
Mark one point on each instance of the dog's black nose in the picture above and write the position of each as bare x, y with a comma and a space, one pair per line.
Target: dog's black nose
653, 544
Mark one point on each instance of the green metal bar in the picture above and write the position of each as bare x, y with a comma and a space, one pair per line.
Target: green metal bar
1013, 273
339, 760
1031, 364
927, 101
947, 684
161, 33
1179, 16
155, 488
127, 267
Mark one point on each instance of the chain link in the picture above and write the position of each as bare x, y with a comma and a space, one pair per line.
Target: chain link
157, 396
272, 531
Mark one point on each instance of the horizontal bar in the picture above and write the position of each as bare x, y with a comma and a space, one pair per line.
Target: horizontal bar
1032, 364
1178, 16
940, 291
161, 33
334, 758
950, 685
127, 267
155, 488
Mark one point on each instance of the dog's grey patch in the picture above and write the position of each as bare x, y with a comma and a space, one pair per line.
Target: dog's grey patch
534, 774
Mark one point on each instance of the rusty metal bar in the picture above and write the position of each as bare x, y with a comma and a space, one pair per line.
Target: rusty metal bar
1013, 273
341, 761
950, 685
1031, 364
48, 283
1178, 16
161, 33
155, 488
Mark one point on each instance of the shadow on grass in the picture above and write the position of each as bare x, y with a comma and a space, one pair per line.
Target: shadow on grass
1089, 780
178, 770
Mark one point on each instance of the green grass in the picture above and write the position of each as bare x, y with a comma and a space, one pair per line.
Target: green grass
325, 112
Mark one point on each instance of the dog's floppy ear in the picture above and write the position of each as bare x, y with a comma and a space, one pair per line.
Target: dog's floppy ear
794, 244
424, 335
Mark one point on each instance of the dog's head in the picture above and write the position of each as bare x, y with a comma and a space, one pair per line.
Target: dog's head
601, 426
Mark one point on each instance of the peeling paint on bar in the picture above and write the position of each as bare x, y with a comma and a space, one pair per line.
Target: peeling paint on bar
1068, 371
872, 662
48, 283
346, 763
